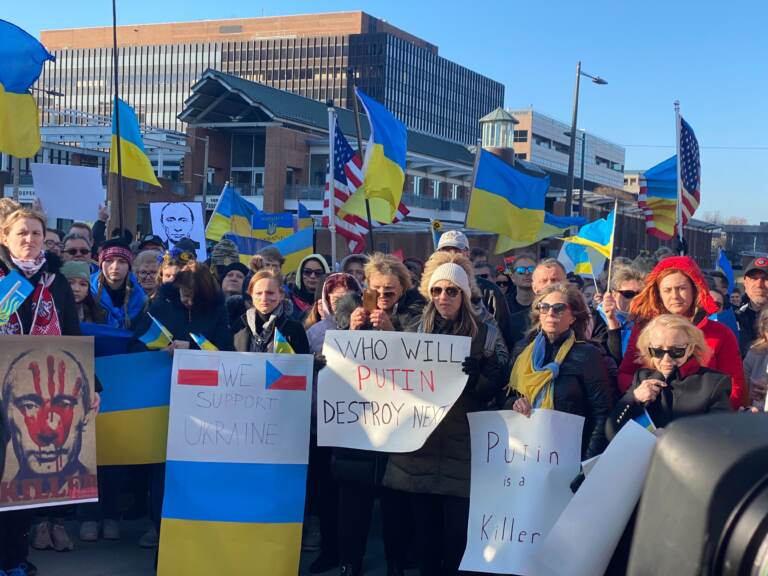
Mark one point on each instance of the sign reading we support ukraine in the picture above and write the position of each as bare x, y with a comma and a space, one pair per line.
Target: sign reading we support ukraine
387, 391
238, 448
522, 469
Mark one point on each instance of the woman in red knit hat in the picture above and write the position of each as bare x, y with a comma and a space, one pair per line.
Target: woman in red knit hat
677, 286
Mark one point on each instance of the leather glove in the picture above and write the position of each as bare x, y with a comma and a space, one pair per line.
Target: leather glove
319, 362
472, 366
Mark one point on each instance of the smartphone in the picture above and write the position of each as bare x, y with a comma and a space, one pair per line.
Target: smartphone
369, 299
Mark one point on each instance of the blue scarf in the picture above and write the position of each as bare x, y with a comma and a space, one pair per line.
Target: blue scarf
116, 317
625, 325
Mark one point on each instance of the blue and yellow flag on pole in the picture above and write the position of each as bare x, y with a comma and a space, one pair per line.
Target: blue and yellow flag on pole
21, 60
282, 346
383, 167
233, 214
203, 343
135, 162
157, 336
553, 226
658, 198
295, 248
303, 218
271, 227
597, 235
581, 260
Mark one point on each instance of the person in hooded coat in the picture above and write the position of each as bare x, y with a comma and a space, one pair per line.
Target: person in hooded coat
309, 276
335, 286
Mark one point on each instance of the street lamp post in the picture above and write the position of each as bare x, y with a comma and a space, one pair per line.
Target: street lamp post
581, 173
572, 147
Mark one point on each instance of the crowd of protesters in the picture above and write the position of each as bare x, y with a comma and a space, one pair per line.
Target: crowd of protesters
665, 337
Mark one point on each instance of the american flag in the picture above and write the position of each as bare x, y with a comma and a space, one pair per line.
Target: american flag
348, 177
690, 171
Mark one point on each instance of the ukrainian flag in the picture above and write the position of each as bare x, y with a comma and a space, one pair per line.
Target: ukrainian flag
21, 60
282, 346
157, 336
658, 198
506, 201
270, 228
132, 422
203, 343
553, 226
581, 260
134, 161
597, 235
383, 167
295, 248
233, 215
303, 218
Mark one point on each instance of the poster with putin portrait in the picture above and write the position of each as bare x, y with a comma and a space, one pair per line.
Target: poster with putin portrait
47, 421
177, 221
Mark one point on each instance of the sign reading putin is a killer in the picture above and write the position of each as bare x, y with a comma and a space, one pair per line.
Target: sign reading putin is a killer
387, 391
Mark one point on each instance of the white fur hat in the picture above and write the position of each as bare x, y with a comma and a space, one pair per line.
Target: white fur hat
455, 274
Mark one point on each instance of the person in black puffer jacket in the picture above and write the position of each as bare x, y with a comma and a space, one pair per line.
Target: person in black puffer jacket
580, 383
436, 476
192, 304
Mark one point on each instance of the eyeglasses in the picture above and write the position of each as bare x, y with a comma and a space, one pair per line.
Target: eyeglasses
312, 272
524, 269
387, 294
502, 283
52, 243
481, 276
146, 274
557, 309
77, 251
675, 352
451, 291
628, 294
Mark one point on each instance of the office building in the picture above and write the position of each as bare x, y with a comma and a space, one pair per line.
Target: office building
311, 55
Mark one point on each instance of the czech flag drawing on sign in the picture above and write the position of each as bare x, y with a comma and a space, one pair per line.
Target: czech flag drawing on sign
276, 380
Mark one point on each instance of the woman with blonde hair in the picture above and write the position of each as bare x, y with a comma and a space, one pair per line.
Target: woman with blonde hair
559, 369
672, 381
756, 364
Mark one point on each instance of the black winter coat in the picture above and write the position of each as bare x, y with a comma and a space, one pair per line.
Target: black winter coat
442, 466
748, 330
407, 312
252, 339
691, 390
582, 387
59, 289
167, 308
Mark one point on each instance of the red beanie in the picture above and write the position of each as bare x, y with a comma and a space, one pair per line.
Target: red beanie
687, 266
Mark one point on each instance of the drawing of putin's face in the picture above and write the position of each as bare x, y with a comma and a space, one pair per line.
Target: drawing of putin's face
46, 404
177, 220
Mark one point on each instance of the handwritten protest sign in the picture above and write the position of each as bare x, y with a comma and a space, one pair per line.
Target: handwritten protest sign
522, 469
387, 391
615, 483
238, 448
47, 436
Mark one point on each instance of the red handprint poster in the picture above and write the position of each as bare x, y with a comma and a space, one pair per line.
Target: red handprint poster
47, 421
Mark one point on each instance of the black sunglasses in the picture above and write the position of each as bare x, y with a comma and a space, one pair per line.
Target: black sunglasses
628, 294
525, 269
557, 309
451, 291
311, 272
502, 283
675, 352
76, 251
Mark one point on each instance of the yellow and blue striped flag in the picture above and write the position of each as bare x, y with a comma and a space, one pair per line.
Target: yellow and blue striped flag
658, 198
21, 60
282, 346
133, 414
303, 218
233, 215
581, 260
14, 289
157, 336
383, 166
203, 343
553, 226
135, 163
645, 421
597, 235
295, 248
270, 228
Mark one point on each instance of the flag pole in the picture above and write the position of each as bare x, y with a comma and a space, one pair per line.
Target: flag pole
362, 157
120, 201
678, 180
478, 148
613, 242
332, 180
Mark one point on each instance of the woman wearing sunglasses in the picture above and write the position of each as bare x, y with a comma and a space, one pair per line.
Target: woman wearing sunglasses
559, 370
677, 286
672, 382
436, 477
614, 310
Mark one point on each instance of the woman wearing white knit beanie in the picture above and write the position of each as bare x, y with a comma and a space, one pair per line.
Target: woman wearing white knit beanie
437, 475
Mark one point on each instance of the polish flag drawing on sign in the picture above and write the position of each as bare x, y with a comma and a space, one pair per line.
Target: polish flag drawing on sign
198, 378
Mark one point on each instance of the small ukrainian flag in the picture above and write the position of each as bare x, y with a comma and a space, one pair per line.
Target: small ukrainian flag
203, 343
157, 336
281, 344
645, 421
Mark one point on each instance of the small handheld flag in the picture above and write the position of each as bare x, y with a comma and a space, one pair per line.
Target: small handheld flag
725, 267
203, 343
597, 235
281, 344
14, 289
645, 421
157, 336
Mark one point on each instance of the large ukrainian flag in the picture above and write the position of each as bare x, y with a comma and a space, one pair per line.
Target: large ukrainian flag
658, 198
233, 215
553, 226
21, 61
295, 248
132, 422
506, 201
383, 167
135, 163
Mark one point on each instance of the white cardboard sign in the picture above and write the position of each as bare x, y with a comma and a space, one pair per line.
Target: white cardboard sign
387, 391
522, 469
70, 192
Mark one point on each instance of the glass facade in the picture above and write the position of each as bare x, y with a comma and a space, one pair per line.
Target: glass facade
427, 92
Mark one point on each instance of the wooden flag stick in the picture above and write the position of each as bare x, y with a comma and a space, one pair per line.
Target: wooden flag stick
613, 241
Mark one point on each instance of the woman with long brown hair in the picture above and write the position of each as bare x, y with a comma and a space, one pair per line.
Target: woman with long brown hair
677, 286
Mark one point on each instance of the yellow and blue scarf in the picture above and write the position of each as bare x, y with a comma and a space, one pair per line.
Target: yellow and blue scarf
534, 379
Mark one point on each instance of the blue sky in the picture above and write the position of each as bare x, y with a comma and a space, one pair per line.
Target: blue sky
711, 56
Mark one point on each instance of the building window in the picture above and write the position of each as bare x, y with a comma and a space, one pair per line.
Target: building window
541, 141
602, 162
417, 185
521, 135
560, 147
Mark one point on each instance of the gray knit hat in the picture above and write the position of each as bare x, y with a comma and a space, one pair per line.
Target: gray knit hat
455, 274
224, 253
76, 269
